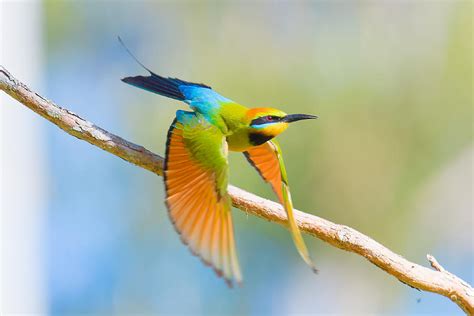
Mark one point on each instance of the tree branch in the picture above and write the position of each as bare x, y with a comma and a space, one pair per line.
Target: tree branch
437, 281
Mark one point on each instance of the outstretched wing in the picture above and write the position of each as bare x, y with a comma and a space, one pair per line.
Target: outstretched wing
196, 178
268, 161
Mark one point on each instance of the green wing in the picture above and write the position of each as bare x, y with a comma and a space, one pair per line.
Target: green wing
196, 178
268, 161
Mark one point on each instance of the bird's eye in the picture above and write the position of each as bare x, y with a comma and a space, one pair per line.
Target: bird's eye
262, 120
271, 118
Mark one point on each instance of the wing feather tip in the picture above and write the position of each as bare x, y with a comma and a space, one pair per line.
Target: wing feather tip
230, 282
314, 269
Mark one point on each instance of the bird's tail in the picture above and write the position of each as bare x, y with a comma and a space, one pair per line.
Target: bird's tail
156, 84
168, 87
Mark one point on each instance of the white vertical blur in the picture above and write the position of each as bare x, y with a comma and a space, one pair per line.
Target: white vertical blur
22, 166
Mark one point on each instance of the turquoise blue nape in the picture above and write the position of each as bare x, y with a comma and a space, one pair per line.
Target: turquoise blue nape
204, 100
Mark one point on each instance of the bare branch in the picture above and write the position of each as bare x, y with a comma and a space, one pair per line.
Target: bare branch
437, 281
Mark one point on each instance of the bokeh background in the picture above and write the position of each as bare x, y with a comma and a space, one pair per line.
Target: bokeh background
84, 232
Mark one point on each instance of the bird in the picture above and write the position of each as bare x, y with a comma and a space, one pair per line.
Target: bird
196, 168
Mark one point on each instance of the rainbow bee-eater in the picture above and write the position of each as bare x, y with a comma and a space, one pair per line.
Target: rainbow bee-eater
196, 168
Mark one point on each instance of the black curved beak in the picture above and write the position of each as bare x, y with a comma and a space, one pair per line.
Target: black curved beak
298, 117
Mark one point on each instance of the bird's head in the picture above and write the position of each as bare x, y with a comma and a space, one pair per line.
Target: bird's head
266, 123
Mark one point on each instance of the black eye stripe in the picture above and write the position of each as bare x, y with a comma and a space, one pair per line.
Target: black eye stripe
265, 119
258, 121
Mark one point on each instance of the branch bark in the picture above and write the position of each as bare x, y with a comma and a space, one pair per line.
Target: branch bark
437, 281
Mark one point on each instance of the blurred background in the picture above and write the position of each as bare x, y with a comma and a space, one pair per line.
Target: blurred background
84, 232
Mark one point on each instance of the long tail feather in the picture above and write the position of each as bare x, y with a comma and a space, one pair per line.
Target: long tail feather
156, 84
168, 87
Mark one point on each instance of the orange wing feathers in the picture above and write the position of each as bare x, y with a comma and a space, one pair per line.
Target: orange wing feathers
268, 161
198, 211
264, 158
